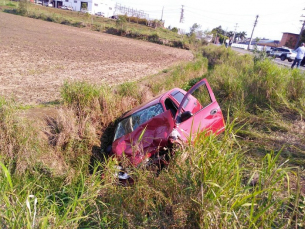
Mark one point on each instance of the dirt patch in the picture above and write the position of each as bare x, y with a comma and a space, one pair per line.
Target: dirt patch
38, 56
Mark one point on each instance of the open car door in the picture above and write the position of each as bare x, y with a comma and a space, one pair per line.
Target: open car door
199, 112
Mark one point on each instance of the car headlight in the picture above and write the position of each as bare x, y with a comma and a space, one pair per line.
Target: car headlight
174, 135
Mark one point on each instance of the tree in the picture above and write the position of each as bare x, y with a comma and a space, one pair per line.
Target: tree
120, 22
195, 27
243, 35
174, 29
237, 37
218, 30
230, 34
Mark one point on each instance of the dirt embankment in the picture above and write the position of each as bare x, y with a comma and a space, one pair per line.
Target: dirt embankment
38, 56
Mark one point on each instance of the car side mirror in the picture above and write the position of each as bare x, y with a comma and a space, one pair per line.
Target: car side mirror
186, 115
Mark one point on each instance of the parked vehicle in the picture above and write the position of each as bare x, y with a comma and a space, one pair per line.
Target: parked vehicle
148, 134
101, 14
283, 53
269, 50
85, 11
114, 17
64, 7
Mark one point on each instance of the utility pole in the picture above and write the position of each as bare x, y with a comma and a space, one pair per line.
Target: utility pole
162, 13
181, 15
252, 32
299, 38
235, 31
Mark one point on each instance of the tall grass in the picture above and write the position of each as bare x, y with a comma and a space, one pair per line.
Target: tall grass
215, 183
239, 82
210, 185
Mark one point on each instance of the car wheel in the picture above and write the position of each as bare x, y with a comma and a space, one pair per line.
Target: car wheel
178, 146
290, 60
283, 58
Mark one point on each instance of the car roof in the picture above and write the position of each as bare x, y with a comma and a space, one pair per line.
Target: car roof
153, 101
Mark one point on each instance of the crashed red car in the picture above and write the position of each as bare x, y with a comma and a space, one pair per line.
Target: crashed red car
148, 132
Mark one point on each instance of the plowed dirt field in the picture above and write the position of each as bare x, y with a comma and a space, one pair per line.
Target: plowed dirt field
36, 57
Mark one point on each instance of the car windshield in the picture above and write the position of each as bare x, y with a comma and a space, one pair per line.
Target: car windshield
132, 122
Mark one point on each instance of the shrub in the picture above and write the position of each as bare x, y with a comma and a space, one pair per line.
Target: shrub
65, 22
22, 7
174, 29
10, 4
96, 27
78, 24
80, 95
154, 38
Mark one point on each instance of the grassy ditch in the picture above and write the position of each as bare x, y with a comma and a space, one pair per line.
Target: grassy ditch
244, 178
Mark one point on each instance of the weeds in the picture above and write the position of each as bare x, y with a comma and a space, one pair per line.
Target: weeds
215, 183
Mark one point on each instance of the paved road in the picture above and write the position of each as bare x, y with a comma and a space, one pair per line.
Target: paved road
277, 60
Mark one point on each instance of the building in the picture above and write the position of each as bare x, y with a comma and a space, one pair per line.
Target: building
269, 43
106, 7
289, 40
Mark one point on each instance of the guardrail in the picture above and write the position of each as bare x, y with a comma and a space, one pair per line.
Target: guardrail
251, 47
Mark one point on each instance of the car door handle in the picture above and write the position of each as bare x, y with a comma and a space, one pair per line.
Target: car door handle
214, 111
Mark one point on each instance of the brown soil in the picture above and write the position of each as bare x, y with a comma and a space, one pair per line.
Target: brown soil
38, 56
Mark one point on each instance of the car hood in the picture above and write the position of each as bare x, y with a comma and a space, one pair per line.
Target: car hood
146, 140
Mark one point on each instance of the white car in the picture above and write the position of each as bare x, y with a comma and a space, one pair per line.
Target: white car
101, 14
283, 53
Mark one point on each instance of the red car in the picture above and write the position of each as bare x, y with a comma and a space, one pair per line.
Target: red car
147, 133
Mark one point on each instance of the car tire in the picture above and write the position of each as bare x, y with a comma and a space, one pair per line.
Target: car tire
178, 146
283, 57
290, 60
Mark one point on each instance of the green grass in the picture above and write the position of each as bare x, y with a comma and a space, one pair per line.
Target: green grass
250, 176
206, 185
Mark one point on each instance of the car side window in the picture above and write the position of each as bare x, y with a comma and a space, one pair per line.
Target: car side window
202, 95
178, 96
